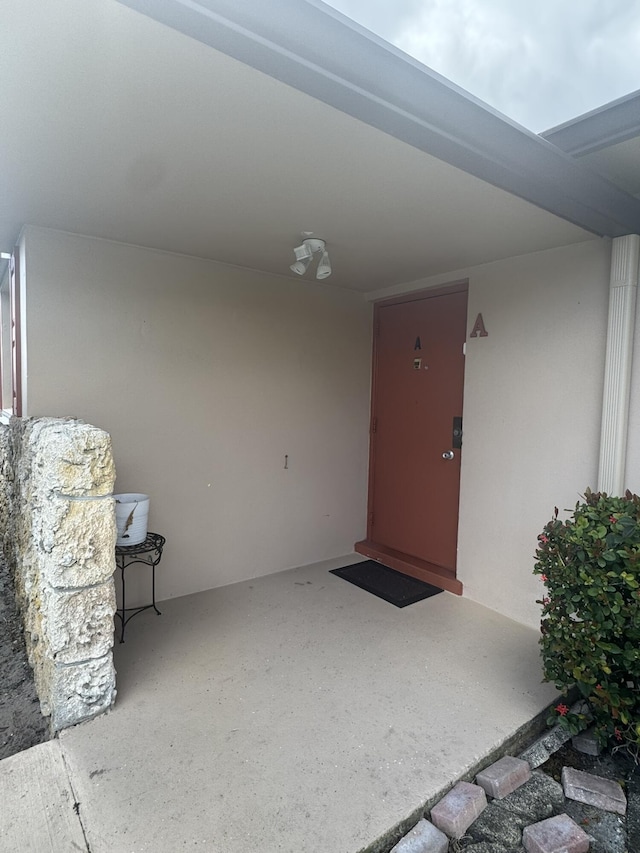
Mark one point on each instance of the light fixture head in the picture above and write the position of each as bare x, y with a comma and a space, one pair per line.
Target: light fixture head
300, 267
324, 267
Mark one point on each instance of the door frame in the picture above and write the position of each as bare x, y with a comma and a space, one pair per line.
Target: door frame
409, 565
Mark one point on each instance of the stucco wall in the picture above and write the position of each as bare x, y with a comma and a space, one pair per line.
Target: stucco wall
205, 376
532, 411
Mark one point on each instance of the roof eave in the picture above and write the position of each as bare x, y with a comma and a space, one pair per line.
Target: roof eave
608, 125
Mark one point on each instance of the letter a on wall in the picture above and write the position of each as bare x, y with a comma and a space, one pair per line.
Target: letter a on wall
478, 328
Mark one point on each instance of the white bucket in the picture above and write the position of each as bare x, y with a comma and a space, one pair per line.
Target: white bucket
132, 513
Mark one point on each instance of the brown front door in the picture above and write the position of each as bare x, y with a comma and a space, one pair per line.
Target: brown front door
415, 467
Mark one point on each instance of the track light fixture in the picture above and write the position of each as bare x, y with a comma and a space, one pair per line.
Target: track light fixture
304, 254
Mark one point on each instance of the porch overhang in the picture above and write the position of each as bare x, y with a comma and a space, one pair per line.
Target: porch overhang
311, 47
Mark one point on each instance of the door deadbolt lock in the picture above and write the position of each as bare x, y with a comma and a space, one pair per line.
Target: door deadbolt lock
448, 454
456, 437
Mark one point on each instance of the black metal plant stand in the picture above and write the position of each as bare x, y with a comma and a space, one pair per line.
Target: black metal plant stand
149, 553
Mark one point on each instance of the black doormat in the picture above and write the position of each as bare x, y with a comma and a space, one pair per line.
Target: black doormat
386, 583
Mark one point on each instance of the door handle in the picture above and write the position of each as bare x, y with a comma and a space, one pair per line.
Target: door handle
448, 454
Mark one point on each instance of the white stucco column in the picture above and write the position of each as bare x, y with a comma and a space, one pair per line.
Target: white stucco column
619, 355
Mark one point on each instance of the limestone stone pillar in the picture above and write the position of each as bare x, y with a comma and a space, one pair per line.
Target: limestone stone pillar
64, 540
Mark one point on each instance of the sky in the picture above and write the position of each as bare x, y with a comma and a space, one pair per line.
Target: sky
540, 62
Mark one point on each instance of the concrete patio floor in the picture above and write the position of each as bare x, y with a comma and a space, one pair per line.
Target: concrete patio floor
294, 712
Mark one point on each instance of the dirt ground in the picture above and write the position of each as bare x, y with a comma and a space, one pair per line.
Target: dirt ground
21, 723
617, 765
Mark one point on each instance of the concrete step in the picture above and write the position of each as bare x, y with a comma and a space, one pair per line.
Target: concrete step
38, 805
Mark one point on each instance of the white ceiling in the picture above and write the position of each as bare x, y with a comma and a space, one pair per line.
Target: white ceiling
119, 127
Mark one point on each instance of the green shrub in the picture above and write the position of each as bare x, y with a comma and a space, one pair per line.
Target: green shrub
590, 565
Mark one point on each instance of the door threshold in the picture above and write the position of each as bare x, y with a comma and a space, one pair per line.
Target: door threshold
413, 566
